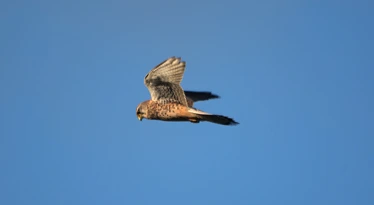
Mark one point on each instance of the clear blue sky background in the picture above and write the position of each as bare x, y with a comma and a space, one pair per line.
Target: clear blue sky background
297, 75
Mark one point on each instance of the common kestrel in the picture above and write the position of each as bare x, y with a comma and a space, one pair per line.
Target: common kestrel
168, 100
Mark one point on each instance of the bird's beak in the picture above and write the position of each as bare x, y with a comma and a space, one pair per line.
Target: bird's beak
140, 117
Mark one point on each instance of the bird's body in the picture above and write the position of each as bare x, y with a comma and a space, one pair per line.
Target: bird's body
168, 100
167, 112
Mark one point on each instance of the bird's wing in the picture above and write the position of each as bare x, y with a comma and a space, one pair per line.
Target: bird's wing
200, 95
163, 81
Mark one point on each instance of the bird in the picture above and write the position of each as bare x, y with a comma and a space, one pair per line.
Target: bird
169, 102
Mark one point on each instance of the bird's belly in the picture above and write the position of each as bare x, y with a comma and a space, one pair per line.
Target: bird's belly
173, 112
172, 117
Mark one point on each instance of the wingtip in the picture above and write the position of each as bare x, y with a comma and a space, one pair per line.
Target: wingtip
214, 95
233, 123
175, 60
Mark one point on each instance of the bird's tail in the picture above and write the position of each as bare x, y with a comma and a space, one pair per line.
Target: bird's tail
218, 119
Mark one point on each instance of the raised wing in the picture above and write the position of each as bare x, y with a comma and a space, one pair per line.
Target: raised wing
163, 81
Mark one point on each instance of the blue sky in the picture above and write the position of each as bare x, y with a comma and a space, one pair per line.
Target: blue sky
297, 75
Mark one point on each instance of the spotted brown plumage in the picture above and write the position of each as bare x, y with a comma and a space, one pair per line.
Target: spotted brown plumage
169, 102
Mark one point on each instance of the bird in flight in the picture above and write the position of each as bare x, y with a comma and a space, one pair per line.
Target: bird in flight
169, 102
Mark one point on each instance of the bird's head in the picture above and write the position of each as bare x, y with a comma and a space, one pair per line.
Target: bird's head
142, 111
